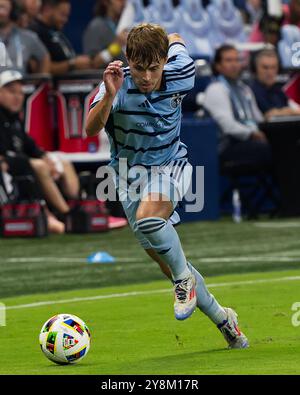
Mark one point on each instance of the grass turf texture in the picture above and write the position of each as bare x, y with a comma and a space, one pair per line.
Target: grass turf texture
59, 262
138, 334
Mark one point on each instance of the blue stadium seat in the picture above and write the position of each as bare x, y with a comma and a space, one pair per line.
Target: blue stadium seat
195, 28
138, 10
290, 34
163, 13
141, 13
227, 22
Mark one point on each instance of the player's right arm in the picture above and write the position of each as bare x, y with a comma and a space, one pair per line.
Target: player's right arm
98, 115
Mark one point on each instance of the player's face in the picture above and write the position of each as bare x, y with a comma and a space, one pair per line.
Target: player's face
147, 79
230, 65
12, 97
267, 69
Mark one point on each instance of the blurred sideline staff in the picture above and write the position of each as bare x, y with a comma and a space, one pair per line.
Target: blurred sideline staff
231, 103
27, 11
100, 39
48, 25
271, 99
282, 128
24, 157
20, 48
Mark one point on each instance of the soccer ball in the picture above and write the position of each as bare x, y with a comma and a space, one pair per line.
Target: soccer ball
65, 339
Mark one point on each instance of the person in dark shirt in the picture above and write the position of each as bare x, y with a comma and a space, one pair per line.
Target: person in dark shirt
283, 134
49, 24
270, 98
23, 157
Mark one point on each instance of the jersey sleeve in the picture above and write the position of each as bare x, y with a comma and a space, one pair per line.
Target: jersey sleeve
99, 96
180, 68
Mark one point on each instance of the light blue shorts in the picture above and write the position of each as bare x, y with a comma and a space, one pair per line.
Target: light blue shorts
171, 181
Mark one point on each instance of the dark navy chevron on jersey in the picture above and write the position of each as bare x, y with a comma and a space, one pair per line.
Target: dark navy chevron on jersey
145, 128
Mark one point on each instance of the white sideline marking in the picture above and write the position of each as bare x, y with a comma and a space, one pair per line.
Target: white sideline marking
142, 293
262, 258
257, 258
60, 259
277, 225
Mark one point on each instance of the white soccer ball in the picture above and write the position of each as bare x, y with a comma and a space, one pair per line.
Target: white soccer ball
64, 339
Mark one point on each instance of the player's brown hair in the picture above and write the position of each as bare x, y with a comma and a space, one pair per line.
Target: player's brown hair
147, 43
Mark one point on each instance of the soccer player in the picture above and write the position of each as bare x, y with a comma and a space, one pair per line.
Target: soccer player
140, 108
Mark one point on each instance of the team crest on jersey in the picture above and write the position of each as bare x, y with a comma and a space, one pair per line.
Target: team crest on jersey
176, 100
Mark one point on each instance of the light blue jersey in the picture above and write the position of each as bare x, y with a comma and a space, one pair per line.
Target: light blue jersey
144, 128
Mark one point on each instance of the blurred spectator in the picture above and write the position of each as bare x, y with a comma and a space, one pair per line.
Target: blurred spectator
20, 48
100, 40
267, 30
6, 182
23, 156
292, 13
271, 99
254, 10
232, 105
27, 11
250, 9
48, 25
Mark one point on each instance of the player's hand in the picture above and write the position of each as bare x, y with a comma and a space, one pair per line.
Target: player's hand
259, 136
113, 77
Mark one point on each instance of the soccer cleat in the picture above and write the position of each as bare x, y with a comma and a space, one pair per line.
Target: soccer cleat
231, 332
185, 297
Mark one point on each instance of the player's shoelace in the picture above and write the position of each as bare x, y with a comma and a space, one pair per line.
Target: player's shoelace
182, 289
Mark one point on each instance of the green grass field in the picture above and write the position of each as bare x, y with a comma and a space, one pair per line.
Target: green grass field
252, 267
